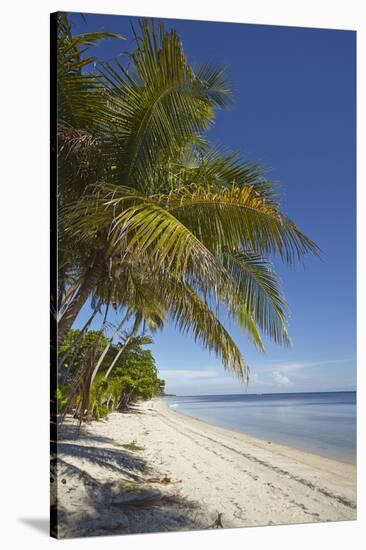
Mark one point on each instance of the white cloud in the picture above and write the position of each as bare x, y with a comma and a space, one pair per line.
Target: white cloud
188, 374
198, 382
269, 376
281, 379
291, 367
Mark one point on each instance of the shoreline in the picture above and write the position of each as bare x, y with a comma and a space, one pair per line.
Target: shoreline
153, 469
260, 439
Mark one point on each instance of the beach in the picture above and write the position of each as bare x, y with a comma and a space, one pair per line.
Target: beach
152, 469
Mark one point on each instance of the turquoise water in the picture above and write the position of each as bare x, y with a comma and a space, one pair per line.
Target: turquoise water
321, 423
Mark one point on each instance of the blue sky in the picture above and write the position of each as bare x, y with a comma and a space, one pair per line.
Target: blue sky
294, 112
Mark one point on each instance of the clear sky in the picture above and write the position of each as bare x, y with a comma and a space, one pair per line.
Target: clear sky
294, 112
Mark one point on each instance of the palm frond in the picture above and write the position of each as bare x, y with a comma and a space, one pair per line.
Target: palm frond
180, 228
79, 93
197, 218
238, 217
258, 287
193, 316
159, 103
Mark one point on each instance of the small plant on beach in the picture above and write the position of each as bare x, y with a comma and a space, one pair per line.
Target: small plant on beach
132, 446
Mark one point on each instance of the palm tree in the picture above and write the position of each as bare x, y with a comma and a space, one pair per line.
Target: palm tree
154, 203
134, 125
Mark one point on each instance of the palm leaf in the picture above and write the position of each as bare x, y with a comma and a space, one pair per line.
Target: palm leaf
259, 288
159, 104
193, 316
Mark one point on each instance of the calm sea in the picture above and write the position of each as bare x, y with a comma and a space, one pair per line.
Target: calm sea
321, 423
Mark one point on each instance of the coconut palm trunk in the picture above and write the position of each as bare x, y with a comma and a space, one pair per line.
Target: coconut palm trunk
80, 336
105, 351
65, 299
89, 283
122, 348
62, 369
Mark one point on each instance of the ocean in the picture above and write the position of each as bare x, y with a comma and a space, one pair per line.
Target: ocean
320, 423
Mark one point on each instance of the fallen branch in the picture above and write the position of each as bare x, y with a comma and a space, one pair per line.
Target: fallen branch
217, 524
164, 481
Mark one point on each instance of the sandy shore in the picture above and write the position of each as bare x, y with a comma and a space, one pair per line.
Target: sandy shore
153, 469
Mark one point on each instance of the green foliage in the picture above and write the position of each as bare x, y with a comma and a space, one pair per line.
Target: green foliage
75, 347
132, 446
134, 377
61, 397
156, 220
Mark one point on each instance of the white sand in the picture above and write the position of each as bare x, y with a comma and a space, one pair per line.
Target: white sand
104, 488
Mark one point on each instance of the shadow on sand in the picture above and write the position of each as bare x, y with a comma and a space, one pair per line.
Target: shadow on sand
119, 500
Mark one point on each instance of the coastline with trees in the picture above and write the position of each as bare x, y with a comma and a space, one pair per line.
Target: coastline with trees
158, 225
155, 222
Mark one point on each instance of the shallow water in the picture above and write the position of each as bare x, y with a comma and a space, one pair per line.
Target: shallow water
321, 423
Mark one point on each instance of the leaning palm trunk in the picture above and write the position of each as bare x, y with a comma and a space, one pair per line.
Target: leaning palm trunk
122, 348
80, 386
77, 344
80, 383
91, 279
66, 298
106, 349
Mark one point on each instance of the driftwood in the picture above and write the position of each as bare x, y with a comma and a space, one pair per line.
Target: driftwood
217, 524
164, 481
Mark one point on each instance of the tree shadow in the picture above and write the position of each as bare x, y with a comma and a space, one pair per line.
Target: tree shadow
124, 502
139, 511
74, 432
135, 409
113, 460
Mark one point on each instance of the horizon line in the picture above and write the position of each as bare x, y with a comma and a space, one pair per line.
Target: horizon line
258, 393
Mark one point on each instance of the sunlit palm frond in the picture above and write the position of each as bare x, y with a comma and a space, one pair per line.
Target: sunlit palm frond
234, 218
193, 316
141, 228
259, 288
211, 166
238, 217
80, 93
198, 234
159, 103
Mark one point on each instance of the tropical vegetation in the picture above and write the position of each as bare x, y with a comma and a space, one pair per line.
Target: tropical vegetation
134, 376
156, 223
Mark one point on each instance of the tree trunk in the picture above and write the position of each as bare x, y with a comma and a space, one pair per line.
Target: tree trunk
126, 398
90, 280
63, 372
67, 295
122, 348
105, 351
